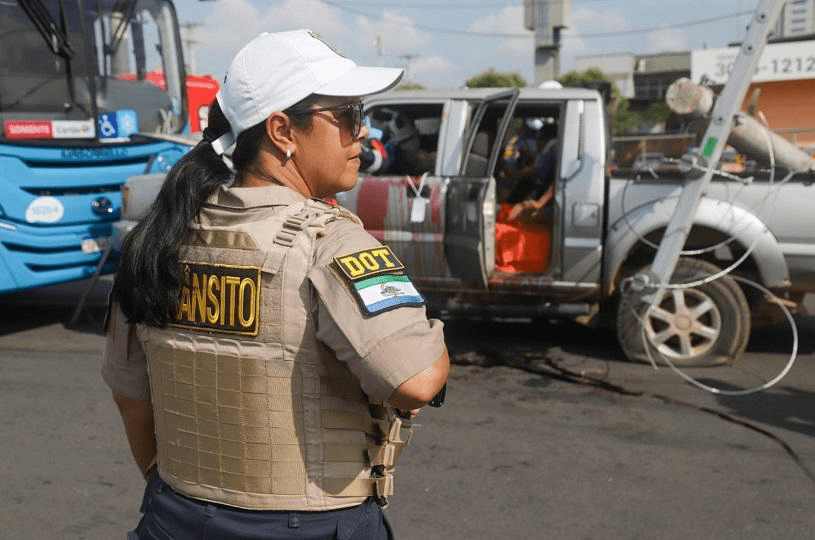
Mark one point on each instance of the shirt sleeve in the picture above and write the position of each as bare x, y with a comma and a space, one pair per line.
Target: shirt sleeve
383, 350
124, 367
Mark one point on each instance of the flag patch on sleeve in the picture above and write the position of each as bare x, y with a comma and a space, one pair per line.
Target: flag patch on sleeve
381, 293
375, 278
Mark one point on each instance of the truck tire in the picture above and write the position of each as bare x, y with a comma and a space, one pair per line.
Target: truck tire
705, 325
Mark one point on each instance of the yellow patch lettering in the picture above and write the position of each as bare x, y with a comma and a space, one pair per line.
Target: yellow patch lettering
219, 298
232, 281
223, 298
368, 262
198, 294
184, 310
213, 311
247, 318
352, 266
383, 254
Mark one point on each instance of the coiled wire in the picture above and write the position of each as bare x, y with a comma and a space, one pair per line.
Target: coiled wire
773, 298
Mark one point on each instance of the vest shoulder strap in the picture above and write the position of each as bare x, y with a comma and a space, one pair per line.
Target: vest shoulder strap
311, 213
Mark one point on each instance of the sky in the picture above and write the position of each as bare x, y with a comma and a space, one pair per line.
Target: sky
443, 43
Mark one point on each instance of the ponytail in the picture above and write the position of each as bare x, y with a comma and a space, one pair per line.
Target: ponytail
149, 275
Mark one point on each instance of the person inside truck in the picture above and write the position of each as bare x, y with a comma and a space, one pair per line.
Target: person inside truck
524, 221
530, 164
266, 353
394, 145
378, 150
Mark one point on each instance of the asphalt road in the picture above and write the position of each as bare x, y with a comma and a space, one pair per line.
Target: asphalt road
546, 433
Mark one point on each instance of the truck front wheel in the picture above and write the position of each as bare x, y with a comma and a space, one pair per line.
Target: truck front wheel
704, 325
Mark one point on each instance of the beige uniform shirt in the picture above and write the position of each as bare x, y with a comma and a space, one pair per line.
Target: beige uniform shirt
383, 349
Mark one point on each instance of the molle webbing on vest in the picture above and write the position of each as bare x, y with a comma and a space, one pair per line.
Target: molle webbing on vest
393, 434
220, 416
220, 239
272, 420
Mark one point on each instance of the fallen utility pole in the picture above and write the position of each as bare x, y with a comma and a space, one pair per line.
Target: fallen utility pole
655, 281
748, 135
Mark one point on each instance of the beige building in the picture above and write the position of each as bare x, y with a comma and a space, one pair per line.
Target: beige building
797, 18
639, 76
783, 88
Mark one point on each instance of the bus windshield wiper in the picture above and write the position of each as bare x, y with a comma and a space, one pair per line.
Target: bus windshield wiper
126, 9
57, 41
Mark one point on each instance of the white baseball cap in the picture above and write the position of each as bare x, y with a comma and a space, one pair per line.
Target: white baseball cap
276, 70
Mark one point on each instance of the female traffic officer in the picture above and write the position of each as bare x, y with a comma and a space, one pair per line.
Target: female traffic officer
263, 349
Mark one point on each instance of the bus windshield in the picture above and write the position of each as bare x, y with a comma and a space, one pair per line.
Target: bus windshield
72, 63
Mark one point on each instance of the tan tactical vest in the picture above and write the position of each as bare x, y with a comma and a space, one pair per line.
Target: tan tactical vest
251, 411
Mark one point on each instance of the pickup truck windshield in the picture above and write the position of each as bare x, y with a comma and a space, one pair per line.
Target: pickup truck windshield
74, 59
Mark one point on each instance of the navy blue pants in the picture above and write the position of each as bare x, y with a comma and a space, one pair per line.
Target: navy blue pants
171, 516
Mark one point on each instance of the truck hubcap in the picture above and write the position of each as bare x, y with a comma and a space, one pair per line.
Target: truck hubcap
686, 324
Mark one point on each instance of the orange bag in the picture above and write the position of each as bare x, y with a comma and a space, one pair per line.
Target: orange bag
520, 246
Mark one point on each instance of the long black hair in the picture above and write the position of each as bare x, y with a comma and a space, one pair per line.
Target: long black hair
149, 276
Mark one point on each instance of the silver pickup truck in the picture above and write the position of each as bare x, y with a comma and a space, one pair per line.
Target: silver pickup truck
441, 207
441, 212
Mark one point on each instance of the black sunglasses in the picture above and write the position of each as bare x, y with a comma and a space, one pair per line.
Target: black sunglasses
350, 115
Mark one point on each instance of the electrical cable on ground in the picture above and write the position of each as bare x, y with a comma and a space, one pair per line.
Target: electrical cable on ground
558, 372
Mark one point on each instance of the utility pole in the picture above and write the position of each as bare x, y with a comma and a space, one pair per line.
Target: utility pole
407, 58
547, 19
378, 43
189, 44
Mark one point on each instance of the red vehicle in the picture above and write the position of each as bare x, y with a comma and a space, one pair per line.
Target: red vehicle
201, 90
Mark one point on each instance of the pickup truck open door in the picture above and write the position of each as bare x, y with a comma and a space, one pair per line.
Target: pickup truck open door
575, 215
437, 209
469, 240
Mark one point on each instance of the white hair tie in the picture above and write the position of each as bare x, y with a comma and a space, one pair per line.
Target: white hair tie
223, 142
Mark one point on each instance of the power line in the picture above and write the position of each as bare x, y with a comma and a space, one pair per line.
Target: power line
685, 24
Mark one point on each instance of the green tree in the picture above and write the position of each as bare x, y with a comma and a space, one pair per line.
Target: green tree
410, 86
658, 112
496, 79
579, 78
623, 118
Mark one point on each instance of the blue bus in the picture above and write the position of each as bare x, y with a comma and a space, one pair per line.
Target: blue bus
78, 117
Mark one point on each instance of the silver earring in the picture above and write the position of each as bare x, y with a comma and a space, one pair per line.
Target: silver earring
288, 153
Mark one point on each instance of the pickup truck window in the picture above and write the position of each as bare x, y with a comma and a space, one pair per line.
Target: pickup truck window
406, 139
650, 155
526, 174
528, 165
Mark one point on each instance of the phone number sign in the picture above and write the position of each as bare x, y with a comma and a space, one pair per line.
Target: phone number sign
779, 62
